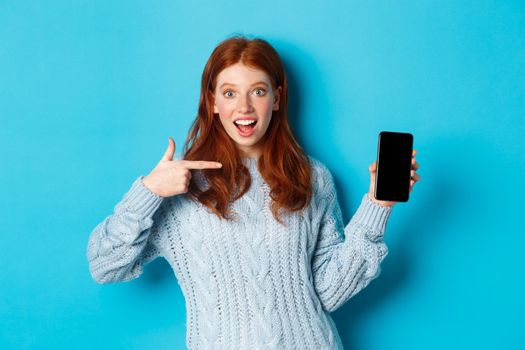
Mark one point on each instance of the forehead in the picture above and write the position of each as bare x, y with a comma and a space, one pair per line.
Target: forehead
240, 74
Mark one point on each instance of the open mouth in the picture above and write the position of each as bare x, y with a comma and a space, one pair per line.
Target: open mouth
246, 128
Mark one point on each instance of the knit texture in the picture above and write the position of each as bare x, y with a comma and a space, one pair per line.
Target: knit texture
251, 283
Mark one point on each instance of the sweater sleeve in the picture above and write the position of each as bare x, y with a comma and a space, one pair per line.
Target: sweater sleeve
346, 259
126, 240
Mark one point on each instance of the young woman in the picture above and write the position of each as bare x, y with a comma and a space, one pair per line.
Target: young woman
250, 224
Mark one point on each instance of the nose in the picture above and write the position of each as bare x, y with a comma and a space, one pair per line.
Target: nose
245, 104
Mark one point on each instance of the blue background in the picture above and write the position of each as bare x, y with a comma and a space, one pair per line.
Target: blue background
91, 90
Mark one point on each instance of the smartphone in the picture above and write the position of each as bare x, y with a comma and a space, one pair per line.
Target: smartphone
394, 164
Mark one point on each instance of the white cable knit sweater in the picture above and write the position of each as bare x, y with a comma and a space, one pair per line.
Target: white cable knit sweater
251, 283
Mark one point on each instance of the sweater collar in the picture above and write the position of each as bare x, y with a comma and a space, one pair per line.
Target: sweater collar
251, 164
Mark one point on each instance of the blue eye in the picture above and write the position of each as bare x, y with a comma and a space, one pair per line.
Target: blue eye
226, 92
263, 92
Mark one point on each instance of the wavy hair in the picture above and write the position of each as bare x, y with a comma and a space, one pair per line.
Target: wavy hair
283, 164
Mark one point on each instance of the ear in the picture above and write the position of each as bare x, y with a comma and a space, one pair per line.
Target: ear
215, 109
277, 98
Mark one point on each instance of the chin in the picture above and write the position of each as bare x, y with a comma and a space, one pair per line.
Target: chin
247, 143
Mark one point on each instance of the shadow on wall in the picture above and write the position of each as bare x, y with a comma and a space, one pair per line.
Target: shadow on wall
299, 90
396, 271
442, 198
447, 205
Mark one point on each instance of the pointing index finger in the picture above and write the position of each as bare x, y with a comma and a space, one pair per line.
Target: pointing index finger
201, 164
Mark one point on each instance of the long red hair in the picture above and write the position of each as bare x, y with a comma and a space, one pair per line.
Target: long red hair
283, 164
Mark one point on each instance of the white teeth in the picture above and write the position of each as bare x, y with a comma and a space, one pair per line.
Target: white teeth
244, 122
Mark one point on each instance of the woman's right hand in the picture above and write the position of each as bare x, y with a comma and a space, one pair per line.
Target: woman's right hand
172, 177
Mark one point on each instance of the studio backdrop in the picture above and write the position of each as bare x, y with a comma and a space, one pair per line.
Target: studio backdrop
90, 91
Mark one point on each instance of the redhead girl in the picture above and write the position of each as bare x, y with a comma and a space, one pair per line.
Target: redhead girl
250, 224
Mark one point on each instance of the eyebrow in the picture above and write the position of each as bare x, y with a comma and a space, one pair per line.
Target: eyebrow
257, 83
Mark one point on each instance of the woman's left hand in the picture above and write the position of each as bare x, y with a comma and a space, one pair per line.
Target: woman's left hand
373, 170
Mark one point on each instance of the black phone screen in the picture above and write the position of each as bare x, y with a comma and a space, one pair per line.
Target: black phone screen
394, 163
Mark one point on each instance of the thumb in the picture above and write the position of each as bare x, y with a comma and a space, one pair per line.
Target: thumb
168, 155
372, 168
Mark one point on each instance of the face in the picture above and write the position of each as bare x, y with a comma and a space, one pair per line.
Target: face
245, 93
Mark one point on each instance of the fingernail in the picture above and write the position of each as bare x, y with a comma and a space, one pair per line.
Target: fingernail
219, 165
